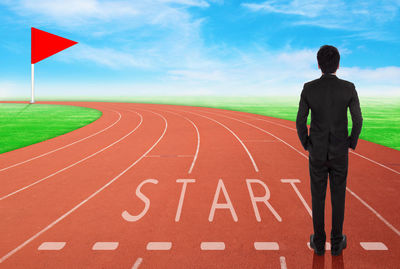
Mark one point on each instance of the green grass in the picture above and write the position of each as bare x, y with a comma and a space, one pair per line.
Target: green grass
381, 115
23, 124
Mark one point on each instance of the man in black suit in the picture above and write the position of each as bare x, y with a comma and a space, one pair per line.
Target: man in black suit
328, 144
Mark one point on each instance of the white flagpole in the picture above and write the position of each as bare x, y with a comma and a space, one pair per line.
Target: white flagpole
33, 84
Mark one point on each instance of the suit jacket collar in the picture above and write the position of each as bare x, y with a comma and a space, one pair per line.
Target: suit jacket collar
328, 76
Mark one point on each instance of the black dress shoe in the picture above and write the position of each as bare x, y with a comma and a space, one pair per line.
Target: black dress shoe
337, 249
318, 251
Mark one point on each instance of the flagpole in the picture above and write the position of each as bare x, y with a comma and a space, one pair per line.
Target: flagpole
33, 84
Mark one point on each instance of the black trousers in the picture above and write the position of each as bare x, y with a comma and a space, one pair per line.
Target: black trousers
319, 171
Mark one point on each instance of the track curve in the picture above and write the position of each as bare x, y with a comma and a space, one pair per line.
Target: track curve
187, 204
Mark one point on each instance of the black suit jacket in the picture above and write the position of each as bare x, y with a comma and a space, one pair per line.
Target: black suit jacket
328, 98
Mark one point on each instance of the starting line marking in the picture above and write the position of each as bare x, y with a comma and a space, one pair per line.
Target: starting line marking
203, 246
52, 246
266, 245
212, 246
105, 246
159, 246
373, 246
327, 245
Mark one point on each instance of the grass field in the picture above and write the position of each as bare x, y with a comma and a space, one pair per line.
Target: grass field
23, 124
381, 115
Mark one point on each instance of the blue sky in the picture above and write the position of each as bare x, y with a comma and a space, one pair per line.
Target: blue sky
198, 47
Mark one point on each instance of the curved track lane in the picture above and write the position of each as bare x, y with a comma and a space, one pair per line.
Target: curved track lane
176, 191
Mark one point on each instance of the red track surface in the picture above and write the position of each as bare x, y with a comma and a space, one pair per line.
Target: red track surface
76, 194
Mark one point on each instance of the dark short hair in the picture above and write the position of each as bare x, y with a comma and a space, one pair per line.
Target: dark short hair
328, 59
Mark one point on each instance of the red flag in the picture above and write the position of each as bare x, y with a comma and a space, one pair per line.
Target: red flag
44, 44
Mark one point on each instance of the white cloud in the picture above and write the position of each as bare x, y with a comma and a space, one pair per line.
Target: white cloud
196, 3
376, 79
309, 8
264, 73
177, 51
104, 56
123, 14
339, 14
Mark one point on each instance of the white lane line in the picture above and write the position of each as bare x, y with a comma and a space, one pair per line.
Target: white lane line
63, 147
137, 263
72, 165
240, 141
384, 166
105, 246
254, 118
327, 246
351, 192
15, 250
198, 138
373, 246
291, 182
159, 246
283, 262
212, 246
375, 212
266, 245
264, 131
284, 126
52, 246
351, 151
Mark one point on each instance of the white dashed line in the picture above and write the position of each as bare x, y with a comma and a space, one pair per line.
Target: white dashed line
51, 225
105, 246
327, 245
373, 246
283, 262
52, 246
306, 157
212, 246
266, 245
137, 263
159, 246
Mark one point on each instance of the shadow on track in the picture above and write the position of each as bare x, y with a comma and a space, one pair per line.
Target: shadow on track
319, 262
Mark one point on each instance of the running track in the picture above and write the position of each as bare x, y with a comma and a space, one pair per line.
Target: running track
160, 186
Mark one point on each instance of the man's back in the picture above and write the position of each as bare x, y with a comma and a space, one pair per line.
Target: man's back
328, 98
328, 144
